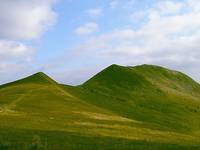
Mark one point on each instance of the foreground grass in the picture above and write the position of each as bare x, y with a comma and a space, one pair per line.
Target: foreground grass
11, 139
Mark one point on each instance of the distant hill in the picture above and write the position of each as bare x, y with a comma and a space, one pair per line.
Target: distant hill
142, 107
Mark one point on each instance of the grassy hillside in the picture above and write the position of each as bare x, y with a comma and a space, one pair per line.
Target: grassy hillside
142, 107
158, 97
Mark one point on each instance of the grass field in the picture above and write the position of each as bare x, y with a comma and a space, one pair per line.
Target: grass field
143, 108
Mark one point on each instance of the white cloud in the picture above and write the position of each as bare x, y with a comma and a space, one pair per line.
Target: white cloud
94, 12
22, 19
170, 7
15, 59
194, 5
87, 28
11, 50
137, 16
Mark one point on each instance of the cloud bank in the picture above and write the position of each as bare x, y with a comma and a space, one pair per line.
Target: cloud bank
21, 20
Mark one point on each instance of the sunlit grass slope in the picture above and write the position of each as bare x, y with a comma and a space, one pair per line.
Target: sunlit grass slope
143, 107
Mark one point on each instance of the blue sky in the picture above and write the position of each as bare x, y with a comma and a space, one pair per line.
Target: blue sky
71, 40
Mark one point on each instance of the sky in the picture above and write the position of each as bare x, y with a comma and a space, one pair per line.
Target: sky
72, 40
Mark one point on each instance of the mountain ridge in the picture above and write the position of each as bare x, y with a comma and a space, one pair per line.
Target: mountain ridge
44, 76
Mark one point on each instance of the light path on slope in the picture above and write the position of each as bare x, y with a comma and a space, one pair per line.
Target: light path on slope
7, 109
59, 88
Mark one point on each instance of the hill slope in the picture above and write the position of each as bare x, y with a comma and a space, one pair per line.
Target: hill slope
143, 107
159, 98
162, 98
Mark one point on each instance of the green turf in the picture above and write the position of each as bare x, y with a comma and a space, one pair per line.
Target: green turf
144, 107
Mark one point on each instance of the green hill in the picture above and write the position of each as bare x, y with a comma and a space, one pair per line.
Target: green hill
144, 107
38, 78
